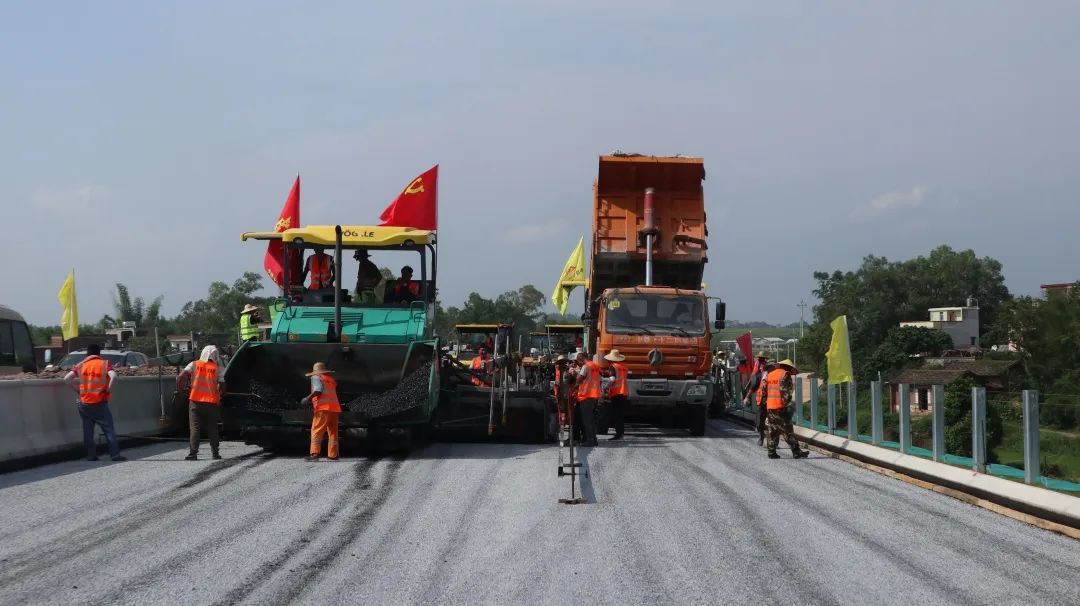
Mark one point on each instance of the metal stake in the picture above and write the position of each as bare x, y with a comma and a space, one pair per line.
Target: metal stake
852, 414
798, 401
876, 419
938, 427
831, 394
1031, 436
905, 417
978, 429
815, 395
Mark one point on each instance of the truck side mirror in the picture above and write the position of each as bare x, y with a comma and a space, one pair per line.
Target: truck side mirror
721, 315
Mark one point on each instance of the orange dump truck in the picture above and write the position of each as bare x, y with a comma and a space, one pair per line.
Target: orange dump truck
645, 293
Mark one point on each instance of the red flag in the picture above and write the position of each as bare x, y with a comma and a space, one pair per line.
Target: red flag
746, 346
273, 262
418, 204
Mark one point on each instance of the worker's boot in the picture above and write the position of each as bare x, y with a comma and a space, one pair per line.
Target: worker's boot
773, 455
216, 455
192, 457
797, 453
760, 440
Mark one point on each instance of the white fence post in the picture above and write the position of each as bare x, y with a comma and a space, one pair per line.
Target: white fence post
978, 429
875, 413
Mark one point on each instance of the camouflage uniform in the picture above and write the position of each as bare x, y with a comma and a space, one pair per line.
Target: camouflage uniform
778, 422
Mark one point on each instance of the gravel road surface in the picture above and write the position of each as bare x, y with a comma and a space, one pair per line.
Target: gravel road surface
674, 519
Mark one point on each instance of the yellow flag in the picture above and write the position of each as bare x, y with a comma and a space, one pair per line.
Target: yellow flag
839, 354
69, 322
573, 274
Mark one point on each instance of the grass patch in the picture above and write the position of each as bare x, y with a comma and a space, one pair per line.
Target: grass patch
1059, 454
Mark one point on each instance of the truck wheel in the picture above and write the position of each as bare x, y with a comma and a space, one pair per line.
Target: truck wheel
697, 421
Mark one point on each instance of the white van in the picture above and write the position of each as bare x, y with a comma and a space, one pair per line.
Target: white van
16, 347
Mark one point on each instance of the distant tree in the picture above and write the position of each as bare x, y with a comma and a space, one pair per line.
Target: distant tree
132, 309
522, 307
219, 312
958, 420
881, 293
903, 342
1047, 333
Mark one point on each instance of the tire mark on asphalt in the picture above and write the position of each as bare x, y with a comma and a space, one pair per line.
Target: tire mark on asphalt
946, 590
80, 543
208, 472
354, 525
248, 522
784, 566
455, 544
315, 530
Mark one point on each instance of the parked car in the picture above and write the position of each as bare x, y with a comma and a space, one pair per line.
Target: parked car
124, 359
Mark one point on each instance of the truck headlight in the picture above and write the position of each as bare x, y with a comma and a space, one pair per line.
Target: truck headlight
696, 390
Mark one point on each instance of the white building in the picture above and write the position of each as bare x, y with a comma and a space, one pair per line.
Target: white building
961, 323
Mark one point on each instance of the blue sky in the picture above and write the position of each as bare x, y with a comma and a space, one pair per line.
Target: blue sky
143, 137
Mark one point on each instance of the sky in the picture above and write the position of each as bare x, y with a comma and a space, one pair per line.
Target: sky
141, 138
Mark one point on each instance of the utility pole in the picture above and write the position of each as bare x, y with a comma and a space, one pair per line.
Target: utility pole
802, 312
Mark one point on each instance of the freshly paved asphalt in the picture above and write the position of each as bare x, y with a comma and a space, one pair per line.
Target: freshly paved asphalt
673, 519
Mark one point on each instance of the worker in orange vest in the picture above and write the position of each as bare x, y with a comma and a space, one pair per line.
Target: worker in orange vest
775, 394
588, 395
204, 400
757, 380
320, 266
618, 391
324, 399
405, 290
478, 365
93, 380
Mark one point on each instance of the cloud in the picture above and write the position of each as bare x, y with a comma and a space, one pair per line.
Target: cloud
533, 233
79, 198
889, 202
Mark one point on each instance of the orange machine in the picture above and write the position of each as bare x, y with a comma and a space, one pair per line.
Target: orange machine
645, 294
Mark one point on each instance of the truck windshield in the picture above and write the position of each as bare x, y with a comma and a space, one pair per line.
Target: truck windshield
655, 314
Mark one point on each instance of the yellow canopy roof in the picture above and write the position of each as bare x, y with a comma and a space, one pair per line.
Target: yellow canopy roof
351, 236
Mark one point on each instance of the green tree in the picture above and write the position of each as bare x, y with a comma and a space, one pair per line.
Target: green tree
1062, 406
902, 342
132, 309
219, 312
1047, 334
958, 419
522, 307
881, 293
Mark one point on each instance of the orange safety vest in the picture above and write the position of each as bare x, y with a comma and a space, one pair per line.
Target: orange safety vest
204, 383
413, 287
327, 400
589, 387
477, 364
320, 271
618, 386
770, 389
93, 381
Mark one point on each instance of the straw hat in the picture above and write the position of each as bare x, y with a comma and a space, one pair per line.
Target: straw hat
763, 354
787, 365
318, 369
614, 356
249, 308
561, 358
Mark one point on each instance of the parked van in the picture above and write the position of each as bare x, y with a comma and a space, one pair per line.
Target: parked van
16, 347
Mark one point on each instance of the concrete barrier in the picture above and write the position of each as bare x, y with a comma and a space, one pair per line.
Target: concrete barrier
38, 417
1032, 500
